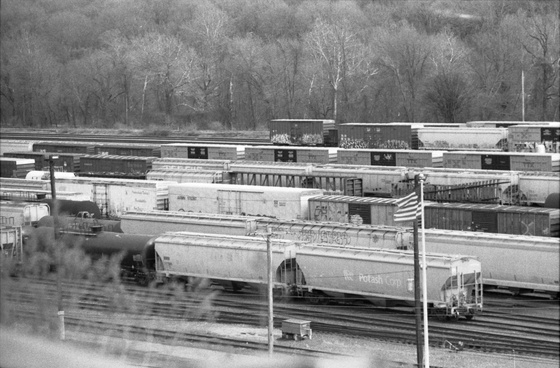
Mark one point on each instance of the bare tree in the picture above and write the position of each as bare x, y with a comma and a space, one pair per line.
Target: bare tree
449, 93
542, 44
405, 53
168, 66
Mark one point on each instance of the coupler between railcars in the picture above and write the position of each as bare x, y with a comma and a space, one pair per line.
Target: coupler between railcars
455, 311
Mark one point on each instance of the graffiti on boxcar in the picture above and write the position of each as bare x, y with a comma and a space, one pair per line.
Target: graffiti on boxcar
324, 236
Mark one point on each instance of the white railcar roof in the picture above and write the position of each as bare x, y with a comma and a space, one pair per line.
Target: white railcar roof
327, 250
186, 217
249, 188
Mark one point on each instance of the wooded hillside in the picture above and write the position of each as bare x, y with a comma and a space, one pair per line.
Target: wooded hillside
235, 64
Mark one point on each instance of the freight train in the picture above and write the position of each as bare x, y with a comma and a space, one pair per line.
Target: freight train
301, 140
115, 197
486, 136
517, 263
316, 272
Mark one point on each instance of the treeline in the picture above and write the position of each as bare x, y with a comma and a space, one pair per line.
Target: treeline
235, 64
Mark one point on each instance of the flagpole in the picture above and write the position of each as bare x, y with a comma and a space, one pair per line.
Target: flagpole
417, 289
421, 177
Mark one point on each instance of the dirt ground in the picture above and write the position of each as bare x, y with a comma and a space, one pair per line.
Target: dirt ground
19, 350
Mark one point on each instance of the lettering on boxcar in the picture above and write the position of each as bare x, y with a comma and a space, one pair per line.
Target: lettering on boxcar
396, 283
371, 279
348, 275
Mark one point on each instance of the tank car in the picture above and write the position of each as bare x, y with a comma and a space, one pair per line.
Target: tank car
137, 263
137, 251
322, 272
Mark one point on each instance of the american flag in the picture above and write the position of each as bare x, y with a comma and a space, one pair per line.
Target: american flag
408, 208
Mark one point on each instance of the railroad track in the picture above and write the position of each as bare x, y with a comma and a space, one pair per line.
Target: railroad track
495, 332
218, 138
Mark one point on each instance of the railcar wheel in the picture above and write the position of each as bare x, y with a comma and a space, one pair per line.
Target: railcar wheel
236, 286
469, 317
323, 299
439, 314
312, 298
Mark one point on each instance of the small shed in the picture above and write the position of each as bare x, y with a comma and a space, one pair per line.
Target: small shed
296, 329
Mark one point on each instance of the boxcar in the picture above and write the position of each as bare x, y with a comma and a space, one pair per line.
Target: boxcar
12, 167
378, 157
284, 203
380, 136
504, 124
291, 154
303, 132
116, 166
189, 176
165, 163
64, 147
203, 151
116, 196
22, 213
9, 145
128, 149
521, 220
66, 162
321, 272
354, 210
528, 138
534, 221
515, 161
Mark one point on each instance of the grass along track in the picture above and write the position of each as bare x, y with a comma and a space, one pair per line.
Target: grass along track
493, 333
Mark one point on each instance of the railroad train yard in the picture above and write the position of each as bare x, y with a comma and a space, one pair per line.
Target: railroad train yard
326, 197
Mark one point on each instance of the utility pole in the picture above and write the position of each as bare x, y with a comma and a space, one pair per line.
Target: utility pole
270, 300
522, 94
58, 250
417, 301
421, 178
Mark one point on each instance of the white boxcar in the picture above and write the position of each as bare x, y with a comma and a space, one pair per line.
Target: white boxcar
22, 213
351, 209
531, 138
202, 151
188, 176
282, 203
24, 183
189, 164
117, 196
13, 145
46, 175
463, 139
322, 272
376, 180
158, 222
381, 157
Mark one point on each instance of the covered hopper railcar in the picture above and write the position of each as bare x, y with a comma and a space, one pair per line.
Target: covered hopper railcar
536, 258
322, 272
517, 263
